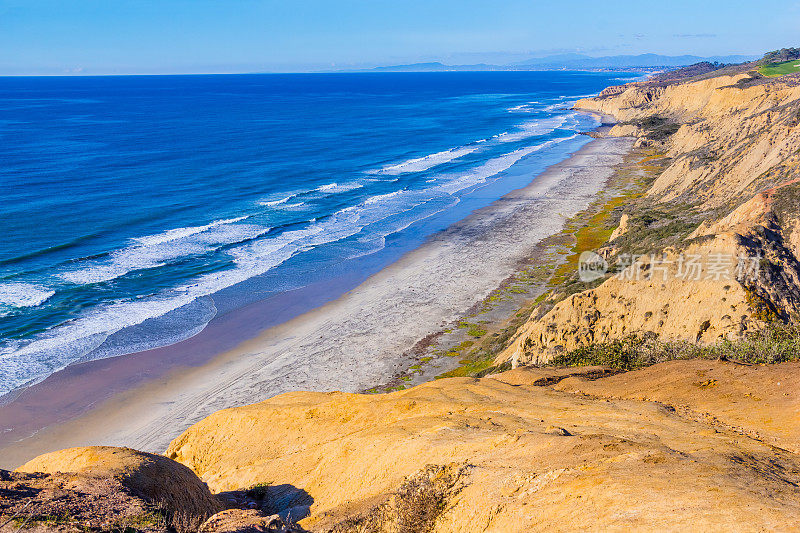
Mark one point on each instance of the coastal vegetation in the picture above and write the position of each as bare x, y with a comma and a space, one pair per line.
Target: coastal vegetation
780, 62
780, 56
709, 194
777, 343
779, 69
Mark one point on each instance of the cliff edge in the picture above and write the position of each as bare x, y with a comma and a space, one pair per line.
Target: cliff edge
710, 250
686, 445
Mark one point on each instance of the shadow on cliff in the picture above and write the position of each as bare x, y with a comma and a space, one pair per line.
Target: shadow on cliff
287, 501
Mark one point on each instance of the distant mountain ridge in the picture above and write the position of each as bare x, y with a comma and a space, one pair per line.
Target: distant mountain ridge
641, 60
574, 61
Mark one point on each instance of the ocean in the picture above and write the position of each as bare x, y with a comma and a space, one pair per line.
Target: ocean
136, 209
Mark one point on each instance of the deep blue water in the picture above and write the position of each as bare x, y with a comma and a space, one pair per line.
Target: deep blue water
128, 203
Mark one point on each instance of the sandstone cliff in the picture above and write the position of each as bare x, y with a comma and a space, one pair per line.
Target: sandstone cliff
732, 150
119, 490
103, 489
684, 445
680, 446
688, 445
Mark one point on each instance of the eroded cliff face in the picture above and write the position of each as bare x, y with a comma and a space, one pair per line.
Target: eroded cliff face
678, 446
733, 150
101, 488
109, 489
526, 450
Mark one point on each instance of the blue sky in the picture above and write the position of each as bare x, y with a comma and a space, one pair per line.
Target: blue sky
144, 36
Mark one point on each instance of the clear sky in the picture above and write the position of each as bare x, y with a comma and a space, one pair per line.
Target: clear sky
160, 36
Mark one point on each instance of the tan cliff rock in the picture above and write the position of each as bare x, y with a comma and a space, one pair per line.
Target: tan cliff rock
649, 296
734, 162
110, 487
729, 137
680, 446
139, 471
103, 488
502, 454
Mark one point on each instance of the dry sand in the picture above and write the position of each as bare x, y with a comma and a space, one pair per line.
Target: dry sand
349, 344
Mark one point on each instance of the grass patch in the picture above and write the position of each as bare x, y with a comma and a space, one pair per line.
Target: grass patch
476, 331
593, 234
657, 127
414, 507
591, 229
774, 70
470, 367
777, 343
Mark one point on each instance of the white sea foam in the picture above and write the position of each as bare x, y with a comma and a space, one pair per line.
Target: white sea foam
493, 167
273, 203
29, 362
34, 359
180, 233
530, 107
72, 341
421, 164
533, 128
334, 188
17, 294
158, 250
559, 106
283, 203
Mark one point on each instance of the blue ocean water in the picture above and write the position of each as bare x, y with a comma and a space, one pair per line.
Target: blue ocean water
135, 209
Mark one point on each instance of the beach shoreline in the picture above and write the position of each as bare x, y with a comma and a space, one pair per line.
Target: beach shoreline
352, 343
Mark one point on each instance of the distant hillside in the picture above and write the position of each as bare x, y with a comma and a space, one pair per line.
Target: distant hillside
436, 67
575, 62
780, 56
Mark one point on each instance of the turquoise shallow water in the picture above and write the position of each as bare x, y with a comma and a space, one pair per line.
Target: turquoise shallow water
136, 209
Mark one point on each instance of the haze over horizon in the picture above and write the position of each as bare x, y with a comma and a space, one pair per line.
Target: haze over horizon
204, 36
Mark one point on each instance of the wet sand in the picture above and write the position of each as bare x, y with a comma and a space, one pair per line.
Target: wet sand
145, 400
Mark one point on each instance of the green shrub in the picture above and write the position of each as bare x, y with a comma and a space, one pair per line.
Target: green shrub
259, 491
775, 344
476, 331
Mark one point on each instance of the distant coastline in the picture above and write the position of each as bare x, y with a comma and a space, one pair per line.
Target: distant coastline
571, 62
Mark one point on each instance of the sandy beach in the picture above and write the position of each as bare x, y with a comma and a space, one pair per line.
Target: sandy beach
349, 344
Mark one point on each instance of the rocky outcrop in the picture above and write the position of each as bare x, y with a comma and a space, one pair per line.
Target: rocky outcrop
102, 488
153, 478
734, 166
685, 445
156, 483
505, 454
72, 503
246, 521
